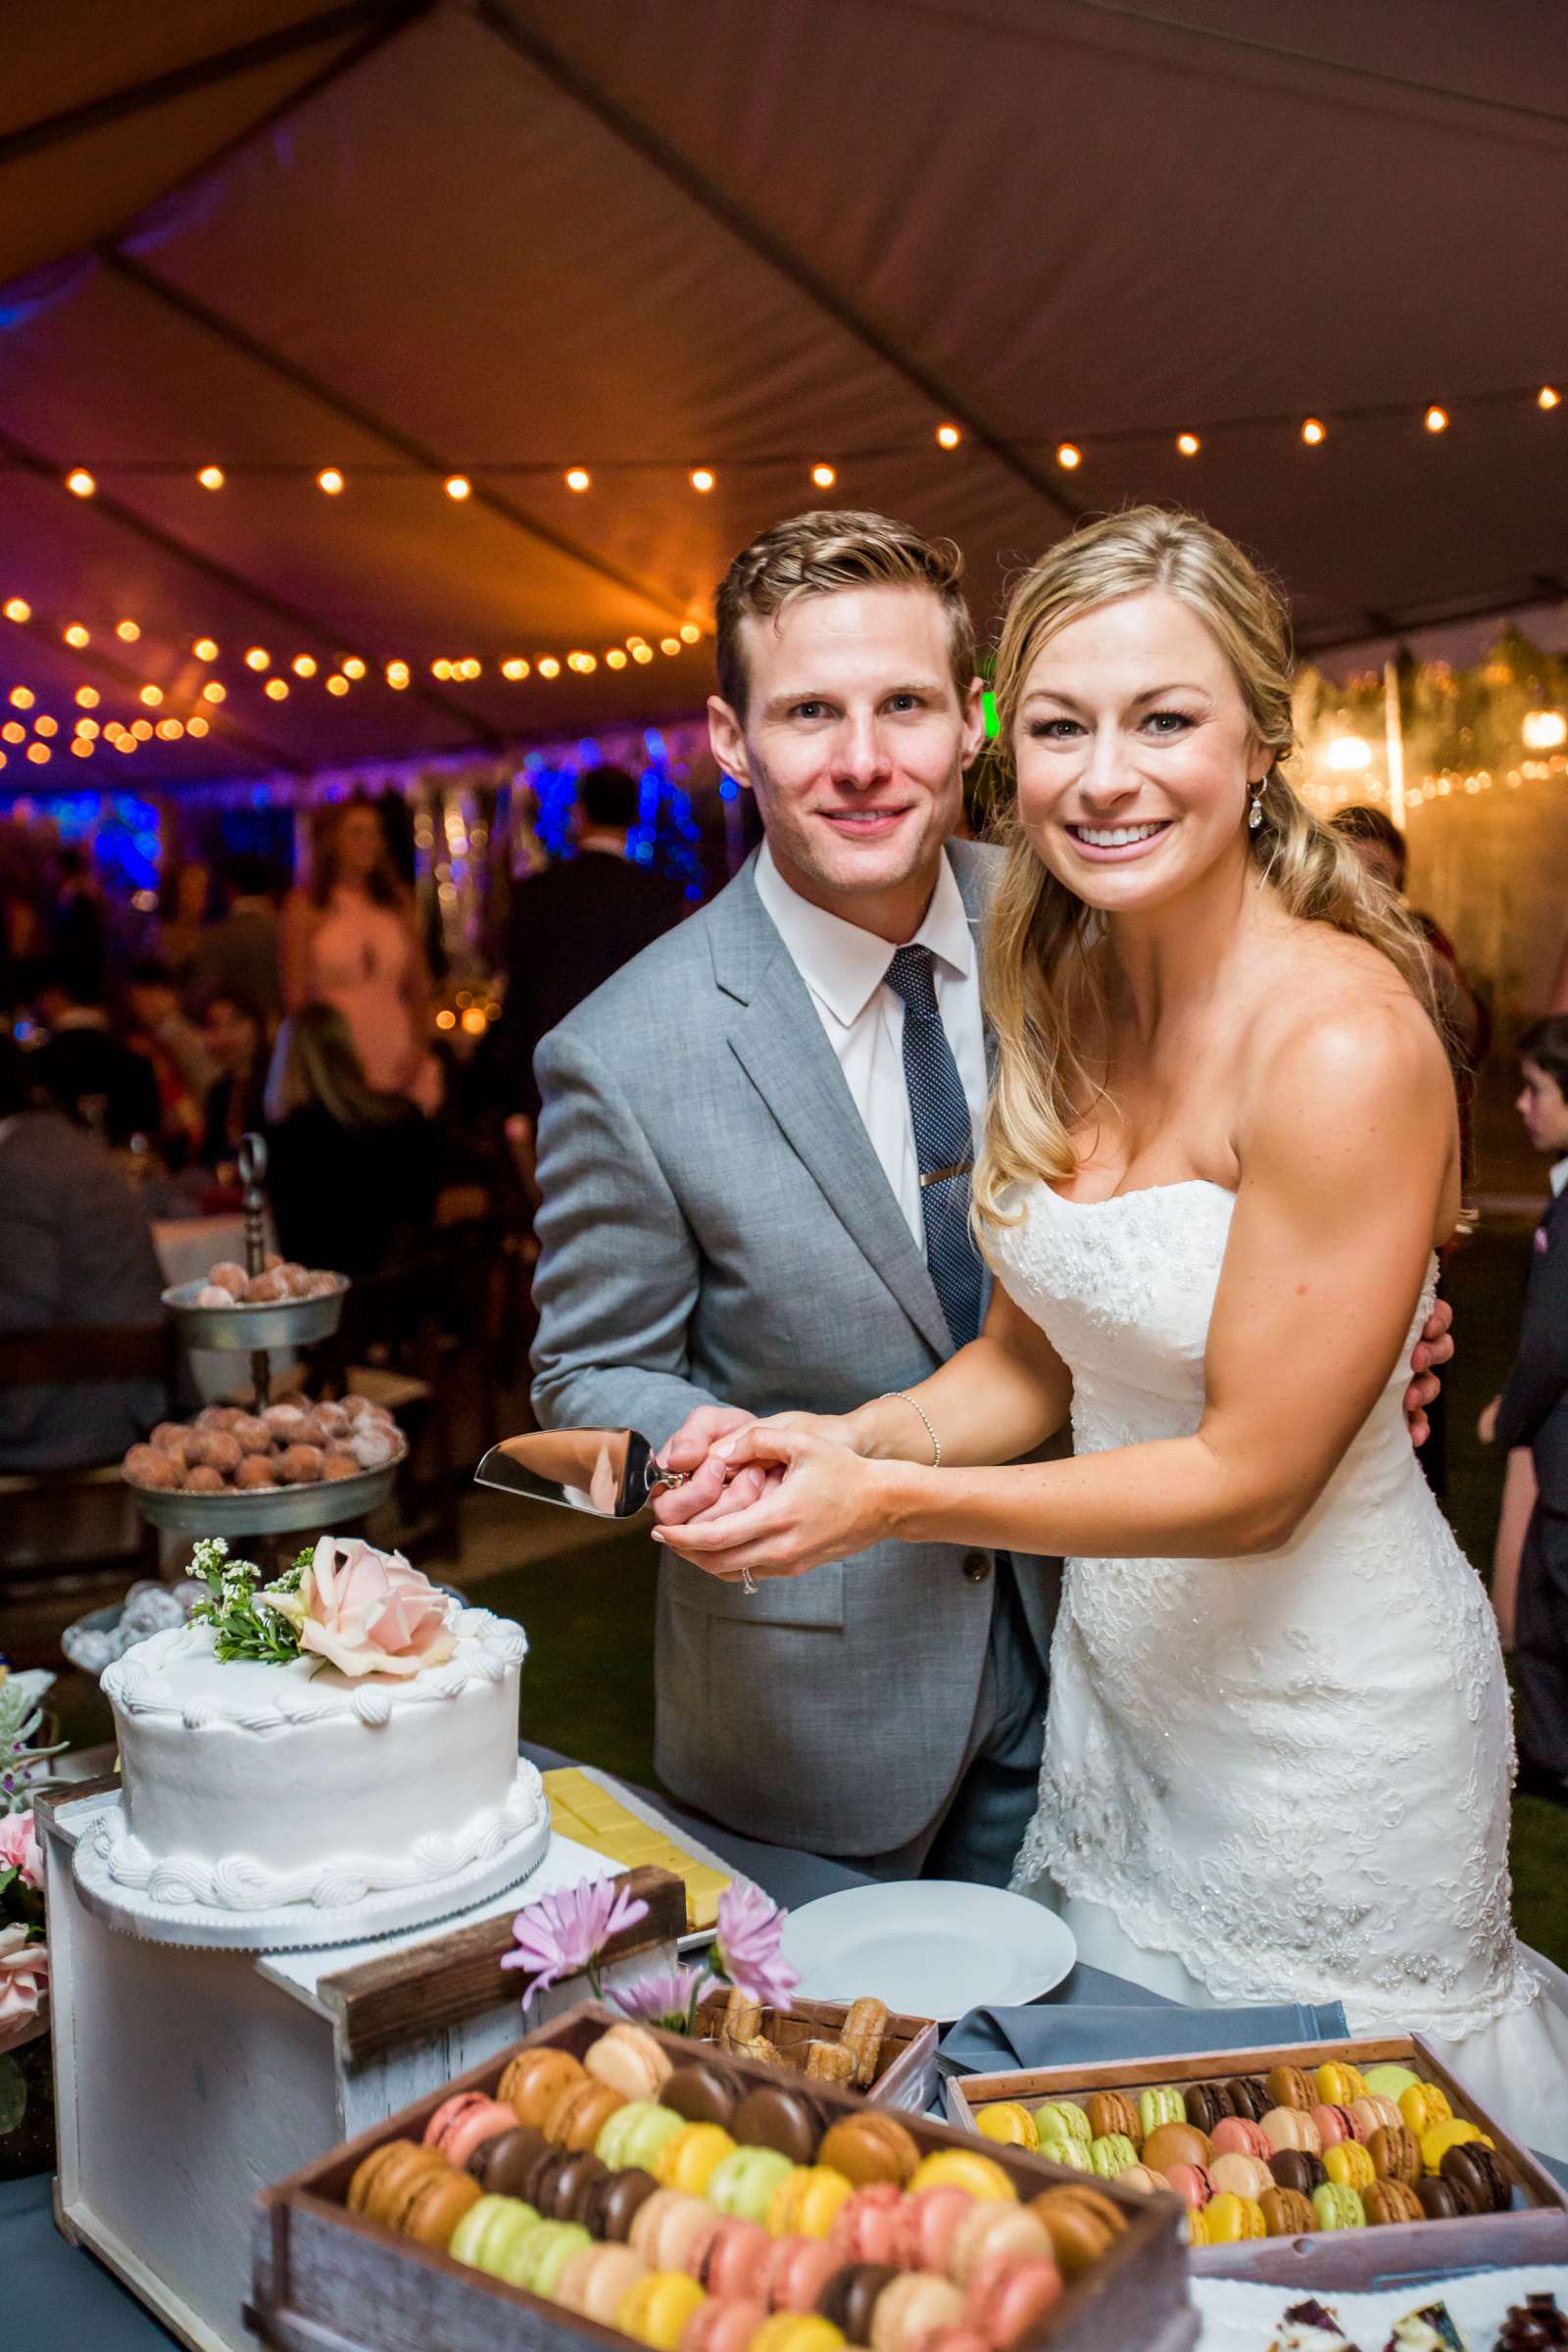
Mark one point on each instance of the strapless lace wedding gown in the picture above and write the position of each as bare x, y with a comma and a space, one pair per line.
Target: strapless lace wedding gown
1282, 1778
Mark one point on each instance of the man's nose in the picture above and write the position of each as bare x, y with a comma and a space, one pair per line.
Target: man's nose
860, 756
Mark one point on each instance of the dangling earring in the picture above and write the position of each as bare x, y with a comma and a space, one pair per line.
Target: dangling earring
1254, 814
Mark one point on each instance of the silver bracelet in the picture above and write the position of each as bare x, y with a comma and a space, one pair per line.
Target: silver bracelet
900, 1397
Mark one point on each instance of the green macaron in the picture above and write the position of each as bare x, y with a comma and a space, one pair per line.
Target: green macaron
1062, 2119
635, 2133
546, 2254
1058, 2147
1111, 2153
491, 2231
744, 2184
1338, 2208
1162, 2105
1387, 2082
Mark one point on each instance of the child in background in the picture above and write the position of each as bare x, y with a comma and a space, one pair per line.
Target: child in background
1532, 1411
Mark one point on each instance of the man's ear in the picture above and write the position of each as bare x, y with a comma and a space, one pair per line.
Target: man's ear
974, 719
728, 739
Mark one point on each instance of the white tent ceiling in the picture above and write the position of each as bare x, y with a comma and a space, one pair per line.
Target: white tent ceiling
642, 236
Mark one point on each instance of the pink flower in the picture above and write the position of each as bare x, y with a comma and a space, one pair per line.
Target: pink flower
668, 2000
746, 1945
23, 1983
366, 1611
19, 1849
562, 1934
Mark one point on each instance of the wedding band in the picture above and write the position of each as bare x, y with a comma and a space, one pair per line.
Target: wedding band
748, 1581
674, 1478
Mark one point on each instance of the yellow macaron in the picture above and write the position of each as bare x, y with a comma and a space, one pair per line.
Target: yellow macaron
691, 2156
1009, 2122
806, 2203
656, 2310
963, 2168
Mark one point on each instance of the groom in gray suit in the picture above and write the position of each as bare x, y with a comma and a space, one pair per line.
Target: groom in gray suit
754, 1154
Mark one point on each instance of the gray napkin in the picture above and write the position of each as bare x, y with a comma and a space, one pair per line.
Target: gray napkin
991, 2040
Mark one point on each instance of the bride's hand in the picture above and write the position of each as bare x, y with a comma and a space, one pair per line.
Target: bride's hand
716, 1487
827, 1504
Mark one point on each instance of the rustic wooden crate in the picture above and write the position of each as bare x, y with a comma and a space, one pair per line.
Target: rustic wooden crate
1535, 2231
907, 2063
328, 2281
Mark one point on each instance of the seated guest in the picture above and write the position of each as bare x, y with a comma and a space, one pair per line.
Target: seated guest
178, 1051
235, 1037
86, 1070
76, 1250
238, 955
351, 1169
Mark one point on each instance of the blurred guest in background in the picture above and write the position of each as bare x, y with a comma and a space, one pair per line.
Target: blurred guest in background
350, 941
238, 955
235, 1037
351, 1166
178, 1051
580, 921
79, 937
86, 1070
184, 910
76, 1250
1381, 847
1532, 1411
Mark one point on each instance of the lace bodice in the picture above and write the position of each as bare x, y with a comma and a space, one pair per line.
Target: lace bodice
1291, 1771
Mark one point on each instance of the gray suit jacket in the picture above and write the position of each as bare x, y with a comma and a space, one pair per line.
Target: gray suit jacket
716, 1228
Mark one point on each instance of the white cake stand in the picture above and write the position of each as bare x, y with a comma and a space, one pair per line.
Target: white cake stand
296, 1927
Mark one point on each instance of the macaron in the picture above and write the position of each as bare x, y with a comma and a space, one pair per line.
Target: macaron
502, 2164
1373, 2114
1423, 2104
744, 2185
1395, 2154
630, 2060
1439, 2139
1287, 2212
1163, 2104
1297, 2169
436, 2207
1110, 2111
772, 2117
1007, 2121
1193, 2183
670, 2228
1386, 2202
1205, 2103
1349, 2165
1176, 2143
1005, 2299
491, 2233
576, 2119
869, 2147
1339, 2083
913, 2306
992, 2233
702, 2092
1290, 2086
797, 2331
1473, 2167
1239, 2136
1442, 2200
1248, 2096
1243, 2175
382, 2178
635, 2133
850, 2297
1143, 2180
1333, 2125
535, 2079
656, 2310
876, 2222
1338, 2206
689, 2156
1227, 2219
928, 2223
1111, 2153
798, 2271
807, 2201
1290, 2127
966, 2168
1071, 2154
596, 2280
1389, 2082
614, 2202
545, 2253
733, 2266
721, 2327
561, 2180
464, 2122
1082, 2225
1062, 2119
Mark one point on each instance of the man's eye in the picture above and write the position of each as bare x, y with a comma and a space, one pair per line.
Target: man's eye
905, 701
808, 709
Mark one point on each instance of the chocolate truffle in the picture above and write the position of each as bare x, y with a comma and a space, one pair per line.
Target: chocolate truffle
1294, 2168
702, 2092
782, 2120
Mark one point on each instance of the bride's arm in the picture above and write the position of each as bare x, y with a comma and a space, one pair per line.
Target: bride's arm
1346, 1165
997, 1398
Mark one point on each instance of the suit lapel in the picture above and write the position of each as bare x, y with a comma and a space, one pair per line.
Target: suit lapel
778, 1039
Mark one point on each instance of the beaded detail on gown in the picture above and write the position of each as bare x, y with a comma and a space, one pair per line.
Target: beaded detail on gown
1291, 1772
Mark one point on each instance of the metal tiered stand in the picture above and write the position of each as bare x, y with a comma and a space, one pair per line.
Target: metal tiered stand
256, 1331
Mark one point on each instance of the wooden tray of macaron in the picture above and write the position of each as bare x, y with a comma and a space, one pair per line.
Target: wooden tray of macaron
1313, 2164
606, 2183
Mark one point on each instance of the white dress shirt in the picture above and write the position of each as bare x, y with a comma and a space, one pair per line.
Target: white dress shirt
1557, 1176
844, 969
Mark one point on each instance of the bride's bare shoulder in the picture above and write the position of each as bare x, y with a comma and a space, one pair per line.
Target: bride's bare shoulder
1339, 1027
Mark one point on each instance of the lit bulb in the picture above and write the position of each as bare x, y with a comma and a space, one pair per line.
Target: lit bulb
141, 730
549, 666
690, 633
515, 668
125, 744
353, 667
13, 731
1544, 730
472, 667
1348, 751
458, 486
196, 725
152, 696
81, 747
397, 674
1069, 455
579, 478
303, 666
1548, 397
211, 478
276, 689
330, 480
1189, 444
79, 482
38, 753
75, 635
214, 691
89, 729
641, 653
43, 724
669, 645
947, 436
1313, 430
440, 668
257, 657
128, 632
702, 479
204, 650
823, 476
169, 730
1435, 419
337, 683
18, 609
616, 659
87, 698
23, 697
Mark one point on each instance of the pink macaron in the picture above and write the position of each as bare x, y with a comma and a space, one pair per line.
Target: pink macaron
1237, 2135
464, 2122
723, 2326
735, 2262
799, 2270
1191, 2182
1333, 2125
1006, 2298
929, 2223
868, 2226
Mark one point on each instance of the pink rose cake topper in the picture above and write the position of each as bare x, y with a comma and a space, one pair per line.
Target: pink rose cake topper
366, 1611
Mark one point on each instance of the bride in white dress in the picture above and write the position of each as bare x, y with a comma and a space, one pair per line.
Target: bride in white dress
1221, 1140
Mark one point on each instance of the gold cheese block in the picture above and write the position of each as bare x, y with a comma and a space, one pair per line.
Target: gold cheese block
580, 1808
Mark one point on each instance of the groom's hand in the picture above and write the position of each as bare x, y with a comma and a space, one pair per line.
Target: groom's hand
1435, 1346
700, 1433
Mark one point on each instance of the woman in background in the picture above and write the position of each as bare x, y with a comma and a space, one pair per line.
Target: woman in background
351, 1166
350, 941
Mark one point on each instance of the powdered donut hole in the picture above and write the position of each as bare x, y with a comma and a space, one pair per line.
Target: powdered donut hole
215, 1448
312, 1431
203, 1480
285, 1421
252, 1434
219, 1416
170, 1438
332, 1418
372, 1448
227, 1276
299, 1465
318, 1286
293, 1277
150, 1467
270, 1262
212, 1294
339, 1465
253, 1471
265, 1290
356, 1406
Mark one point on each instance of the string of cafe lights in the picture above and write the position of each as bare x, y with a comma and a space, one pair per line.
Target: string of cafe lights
1312, 428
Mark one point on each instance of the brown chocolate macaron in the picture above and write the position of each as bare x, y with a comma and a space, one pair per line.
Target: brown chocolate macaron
702, 2092
1287, 2212
1207, 2104
1294, 2168
785, 2121
1388, 2201
1442, 2200
1395, 2154
1474, 2168
503, 2164
1248, 2096
614, 2202
869, 2147
850, 2297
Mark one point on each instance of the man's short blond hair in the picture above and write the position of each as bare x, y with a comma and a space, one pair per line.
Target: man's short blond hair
818, 553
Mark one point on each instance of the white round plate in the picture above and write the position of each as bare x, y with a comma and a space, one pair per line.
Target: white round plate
929, 1947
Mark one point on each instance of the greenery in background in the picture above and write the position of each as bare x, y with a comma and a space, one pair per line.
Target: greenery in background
21, 1719
1454, 720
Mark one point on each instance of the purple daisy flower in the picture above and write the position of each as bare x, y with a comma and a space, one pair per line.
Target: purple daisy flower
668, 2000
746, 1945
563, 1933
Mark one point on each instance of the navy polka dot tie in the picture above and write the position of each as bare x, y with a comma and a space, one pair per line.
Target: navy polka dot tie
944, 1144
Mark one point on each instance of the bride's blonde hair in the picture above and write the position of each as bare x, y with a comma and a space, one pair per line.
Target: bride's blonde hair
1042, 987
